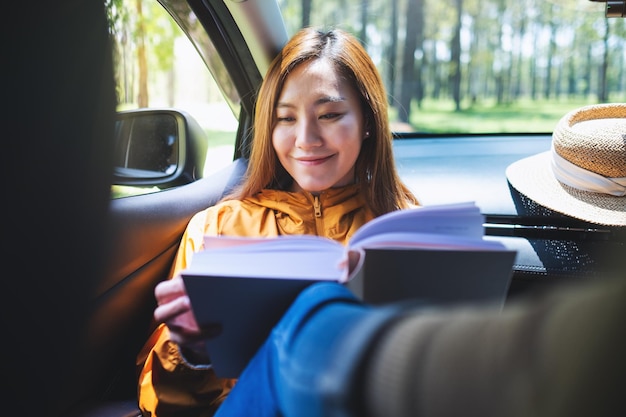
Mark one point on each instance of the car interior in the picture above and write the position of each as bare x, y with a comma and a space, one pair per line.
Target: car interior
139, 235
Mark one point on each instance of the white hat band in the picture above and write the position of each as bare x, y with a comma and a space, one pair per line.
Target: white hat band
586, 180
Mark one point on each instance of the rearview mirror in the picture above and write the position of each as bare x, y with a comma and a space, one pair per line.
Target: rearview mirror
158, 147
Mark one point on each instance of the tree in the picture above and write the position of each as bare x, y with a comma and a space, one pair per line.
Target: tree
142, 62
413, 40
364, 13
500, 57
547, 90
455, 57
522, 24
602, 81
306, 12
117, 20
392, 52
619, 57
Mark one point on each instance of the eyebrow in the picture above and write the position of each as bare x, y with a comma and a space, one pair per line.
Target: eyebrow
319, 101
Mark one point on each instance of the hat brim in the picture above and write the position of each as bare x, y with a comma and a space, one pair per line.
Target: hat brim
533, 177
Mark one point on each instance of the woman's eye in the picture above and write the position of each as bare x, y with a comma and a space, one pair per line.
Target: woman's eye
285, 119
330, 116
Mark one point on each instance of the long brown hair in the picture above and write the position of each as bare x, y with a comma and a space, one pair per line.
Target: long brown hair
375, 166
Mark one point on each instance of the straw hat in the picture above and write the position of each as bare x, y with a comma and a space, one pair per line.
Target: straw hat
584, 174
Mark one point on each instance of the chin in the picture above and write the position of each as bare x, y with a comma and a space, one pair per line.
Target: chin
313, 188
317, 185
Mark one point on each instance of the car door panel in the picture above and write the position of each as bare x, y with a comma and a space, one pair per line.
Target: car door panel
143, 240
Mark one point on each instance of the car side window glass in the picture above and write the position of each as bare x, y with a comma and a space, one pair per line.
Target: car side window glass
158, 65
487, 66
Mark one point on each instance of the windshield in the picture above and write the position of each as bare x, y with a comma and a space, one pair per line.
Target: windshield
481, 66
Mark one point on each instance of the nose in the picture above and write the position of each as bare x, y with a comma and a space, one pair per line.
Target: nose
307, 134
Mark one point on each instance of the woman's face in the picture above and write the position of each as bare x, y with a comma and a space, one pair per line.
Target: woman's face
319, 127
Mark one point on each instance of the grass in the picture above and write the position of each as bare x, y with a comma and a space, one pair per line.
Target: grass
220, 137
524, 116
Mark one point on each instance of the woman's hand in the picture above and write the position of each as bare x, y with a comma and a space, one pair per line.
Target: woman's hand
174, 309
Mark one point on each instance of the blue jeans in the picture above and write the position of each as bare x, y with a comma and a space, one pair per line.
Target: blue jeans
310, 363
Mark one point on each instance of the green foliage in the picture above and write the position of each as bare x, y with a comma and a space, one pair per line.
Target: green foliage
528, 116
163, 33
115, 14
522, 63
219, 138
512, 52
127, 24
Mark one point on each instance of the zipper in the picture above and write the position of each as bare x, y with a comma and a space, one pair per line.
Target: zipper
317, 206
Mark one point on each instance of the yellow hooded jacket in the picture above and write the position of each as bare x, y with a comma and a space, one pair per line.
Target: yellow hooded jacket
168, 383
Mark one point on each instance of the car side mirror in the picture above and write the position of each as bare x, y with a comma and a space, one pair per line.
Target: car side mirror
158, 147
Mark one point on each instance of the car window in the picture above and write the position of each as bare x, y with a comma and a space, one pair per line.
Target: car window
481, 66
158, 66
462, 68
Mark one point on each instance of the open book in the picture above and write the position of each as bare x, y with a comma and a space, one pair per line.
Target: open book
437, 254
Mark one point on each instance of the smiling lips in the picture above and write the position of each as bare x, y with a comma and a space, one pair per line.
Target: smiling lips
313, 160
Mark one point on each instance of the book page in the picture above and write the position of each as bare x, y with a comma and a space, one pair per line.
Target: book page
454, 220
295, 256
401, 240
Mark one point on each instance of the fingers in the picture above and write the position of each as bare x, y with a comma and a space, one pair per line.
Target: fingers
172, 309
169, 290
171, 299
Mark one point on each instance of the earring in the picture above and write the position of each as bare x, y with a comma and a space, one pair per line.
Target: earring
367, 133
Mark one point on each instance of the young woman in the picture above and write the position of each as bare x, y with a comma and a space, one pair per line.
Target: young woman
321, 163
